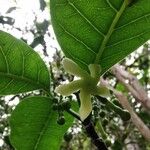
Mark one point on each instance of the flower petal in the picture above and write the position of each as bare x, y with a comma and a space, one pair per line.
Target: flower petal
95, 70
102, 91
72, 68
68, 89
86, 105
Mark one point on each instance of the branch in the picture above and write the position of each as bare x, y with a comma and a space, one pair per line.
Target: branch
145, 131
133, 85
89, 127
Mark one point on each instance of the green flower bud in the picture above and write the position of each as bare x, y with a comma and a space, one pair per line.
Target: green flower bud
68, 136
55, 107
108, 142
105, 122
61, 120
66, 105
95, 107
102, 114
55, 100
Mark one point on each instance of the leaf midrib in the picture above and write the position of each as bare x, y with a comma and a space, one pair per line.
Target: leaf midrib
43, 129
9, 75
110, 31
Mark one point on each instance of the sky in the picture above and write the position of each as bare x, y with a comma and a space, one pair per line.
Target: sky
24, 16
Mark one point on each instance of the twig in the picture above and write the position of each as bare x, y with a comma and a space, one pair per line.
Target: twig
133, 85
89, 127
96, 140
74, 114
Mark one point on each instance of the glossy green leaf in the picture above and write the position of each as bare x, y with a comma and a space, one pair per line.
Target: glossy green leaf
100, 31
21, 68
33, 125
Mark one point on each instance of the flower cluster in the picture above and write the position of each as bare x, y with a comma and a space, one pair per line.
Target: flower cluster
87, 85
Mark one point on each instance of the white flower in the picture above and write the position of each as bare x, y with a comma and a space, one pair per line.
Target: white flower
87, 85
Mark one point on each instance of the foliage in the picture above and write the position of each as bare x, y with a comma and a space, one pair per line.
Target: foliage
34, 115
100, 32
17, 62
43, 117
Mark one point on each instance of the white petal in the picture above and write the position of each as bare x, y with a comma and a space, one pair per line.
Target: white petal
102, 91
68, 89
95, 70
86, 105
72, 68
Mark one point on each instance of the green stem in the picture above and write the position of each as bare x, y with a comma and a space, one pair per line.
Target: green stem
101, 129
74, 114
48, 94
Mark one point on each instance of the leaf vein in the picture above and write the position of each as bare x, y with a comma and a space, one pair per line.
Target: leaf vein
18, 91
2, 89
9, 75
128, 39
42, 132
23, 63
75, 58
110, 4
38, 75
86, 19
79, 41
5, 58
133, 21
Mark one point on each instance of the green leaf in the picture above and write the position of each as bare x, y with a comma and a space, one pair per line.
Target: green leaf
21, 68
33, 125
100, 31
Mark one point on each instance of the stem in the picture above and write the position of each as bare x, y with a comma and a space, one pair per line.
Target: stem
48, 94
74, 114
77, 97
89, 127
100, 127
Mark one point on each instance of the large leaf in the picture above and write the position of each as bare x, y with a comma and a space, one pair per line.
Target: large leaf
21, 69
33, 125
100, 31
